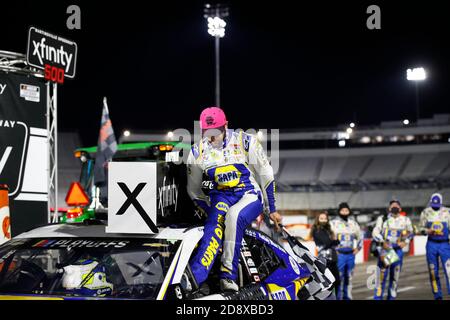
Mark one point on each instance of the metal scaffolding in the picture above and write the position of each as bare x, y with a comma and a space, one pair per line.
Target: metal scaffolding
52, 145
17, 63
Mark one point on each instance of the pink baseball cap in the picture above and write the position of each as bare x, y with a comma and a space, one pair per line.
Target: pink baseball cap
212, 118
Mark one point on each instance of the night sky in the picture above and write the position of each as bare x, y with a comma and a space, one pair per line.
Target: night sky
284, 64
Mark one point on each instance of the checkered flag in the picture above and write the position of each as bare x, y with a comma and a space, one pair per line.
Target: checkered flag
107, 146
320, 287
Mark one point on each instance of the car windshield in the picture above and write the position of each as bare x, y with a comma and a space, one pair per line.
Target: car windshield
105, 268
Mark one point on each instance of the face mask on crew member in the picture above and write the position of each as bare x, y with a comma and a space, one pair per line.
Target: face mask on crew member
395, 210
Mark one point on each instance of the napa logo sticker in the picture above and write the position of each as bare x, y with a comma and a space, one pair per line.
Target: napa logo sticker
227, 176
345, 237
277, 292
222, 206
438, 227
393, 233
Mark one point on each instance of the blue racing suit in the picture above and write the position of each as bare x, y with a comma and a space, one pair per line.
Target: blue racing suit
437, 245
236, 198
391, 231
346, 232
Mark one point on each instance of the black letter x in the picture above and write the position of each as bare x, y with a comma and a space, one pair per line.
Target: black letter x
131, 200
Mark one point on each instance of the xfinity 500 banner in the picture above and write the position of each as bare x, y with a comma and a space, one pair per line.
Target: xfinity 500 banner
55, 55
23, 149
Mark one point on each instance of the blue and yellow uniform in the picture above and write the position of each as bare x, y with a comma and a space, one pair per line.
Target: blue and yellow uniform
436, 218
235, 200
393, 230
347, 233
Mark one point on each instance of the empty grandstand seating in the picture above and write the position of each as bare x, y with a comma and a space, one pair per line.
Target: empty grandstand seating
353, 168
299, 170
416, 165
437, 165
383, 168
362, 199
331, 169
369, 168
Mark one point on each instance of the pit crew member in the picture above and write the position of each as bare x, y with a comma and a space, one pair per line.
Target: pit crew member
394, 233
347, 230
435, 221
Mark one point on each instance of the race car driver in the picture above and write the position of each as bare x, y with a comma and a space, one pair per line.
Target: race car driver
435, 221
86, 277
393, 233
347, 230
237, 166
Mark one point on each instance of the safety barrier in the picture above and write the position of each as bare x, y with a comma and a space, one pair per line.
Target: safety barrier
5, 235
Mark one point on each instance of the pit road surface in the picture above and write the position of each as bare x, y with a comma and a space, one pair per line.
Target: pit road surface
414, 281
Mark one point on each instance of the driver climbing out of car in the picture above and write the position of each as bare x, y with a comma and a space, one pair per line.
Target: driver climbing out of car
242, 183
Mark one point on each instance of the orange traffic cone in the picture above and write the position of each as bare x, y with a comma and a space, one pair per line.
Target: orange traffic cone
5, 235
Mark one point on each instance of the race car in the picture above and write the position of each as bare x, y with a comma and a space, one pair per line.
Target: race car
82, 261
79, 258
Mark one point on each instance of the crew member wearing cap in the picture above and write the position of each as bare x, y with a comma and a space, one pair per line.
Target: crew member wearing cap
434, 222
395, 232
242, 183
347, 231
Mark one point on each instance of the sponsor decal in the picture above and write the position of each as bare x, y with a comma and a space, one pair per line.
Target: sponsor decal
210, 252
44, 243
168, 195
173, 156
207, 184
246, 142
438, 227
277, 292
227, 176
279, 295
80, 244
214, 244
222, 206
30, 93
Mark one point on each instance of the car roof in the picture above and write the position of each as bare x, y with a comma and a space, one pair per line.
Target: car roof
98, 231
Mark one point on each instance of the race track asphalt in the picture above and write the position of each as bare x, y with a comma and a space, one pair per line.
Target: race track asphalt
414, 281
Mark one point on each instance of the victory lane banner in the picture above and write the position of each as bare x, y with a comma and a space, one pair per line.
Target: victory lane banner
23, 149
55, 55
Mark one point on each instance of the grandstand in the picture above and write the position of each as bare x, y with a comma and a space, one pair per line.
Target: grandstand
374, 166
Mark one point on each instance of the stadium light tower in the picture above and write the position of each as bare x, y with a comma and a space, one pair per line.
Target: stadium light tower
416, 75
214, 15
